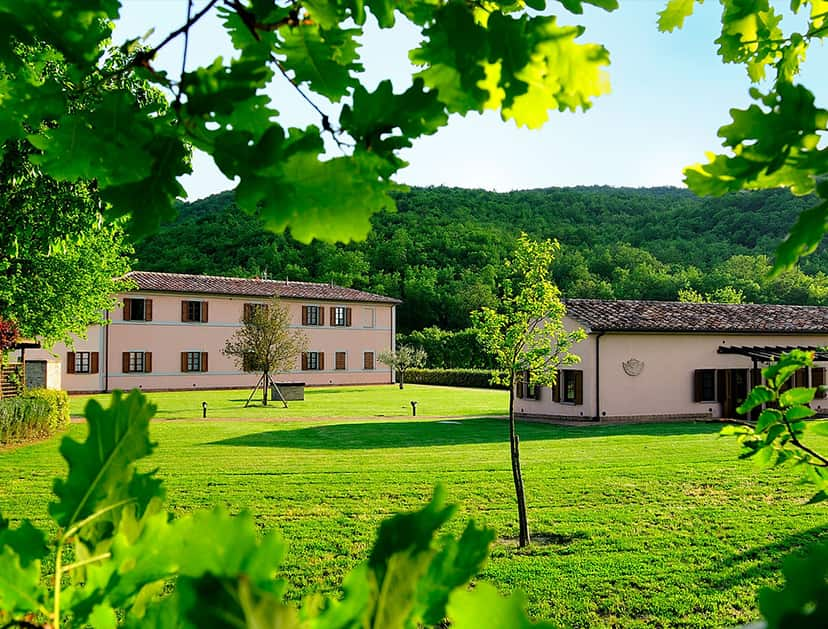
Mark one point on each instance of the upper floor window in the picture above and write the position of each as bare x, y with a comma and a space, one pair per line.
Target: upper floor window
194, 311
137, 309
251, 309
340, 315
137, 362
313, 315
369, 317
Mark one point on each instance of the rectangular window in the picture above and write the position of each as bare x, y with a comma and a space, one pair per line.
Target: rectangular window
369, 317
705, 385
137, 362
81, 362
340, 315
313, 315
340, 360
252, 309
194, 311
368, 360
572, 386
313, 361
193, 361
137, 309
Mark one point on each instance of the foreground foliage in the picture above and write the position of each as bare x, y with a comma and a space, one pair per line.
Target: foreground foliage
777, 439
520, 63
116, 547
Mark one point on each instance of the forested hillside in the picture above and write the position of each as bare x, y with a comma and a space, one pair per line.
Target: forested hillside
442, 251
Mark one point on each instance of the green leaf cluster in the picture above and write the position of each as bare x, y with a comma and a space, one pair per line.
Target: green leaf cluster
777, 437
117, 551
777, 141
473, 56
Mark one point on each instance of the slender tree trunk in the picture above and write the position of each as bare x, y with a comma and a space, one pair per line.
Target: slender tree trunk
265, 383
402, 378
514, 444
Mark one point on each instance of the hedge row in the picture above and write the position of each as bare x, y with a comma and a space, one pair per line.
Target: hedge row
477, 378
37, 413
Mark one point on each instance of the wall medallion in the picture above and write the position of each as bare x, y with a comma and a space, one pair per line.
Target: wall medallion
633, 367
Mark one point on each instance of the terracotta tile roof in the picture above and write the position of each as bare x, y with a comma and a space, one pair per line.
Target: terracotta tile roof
671, 316
217, 285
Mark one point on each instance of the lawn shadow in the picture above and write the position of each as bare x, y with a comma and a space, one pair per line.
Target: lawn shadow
765, 560
416, 434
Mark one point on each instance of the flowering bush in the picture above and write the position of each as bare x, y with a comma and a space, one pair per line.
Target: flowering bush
8, 335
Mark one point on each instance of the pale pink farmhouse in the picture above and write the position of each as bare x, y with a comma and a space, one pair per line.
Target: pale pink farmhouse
651, 360
171, 329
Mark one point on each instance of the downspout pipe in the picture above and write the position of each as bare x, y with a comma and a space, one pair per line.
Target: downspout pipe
106, 353
598, 375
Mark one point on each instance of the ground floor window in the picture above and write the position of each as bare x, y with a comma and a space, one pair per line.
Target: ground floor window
368, 360
82, 362
569, 387
193, 361
313, 361
137, 362
340, 360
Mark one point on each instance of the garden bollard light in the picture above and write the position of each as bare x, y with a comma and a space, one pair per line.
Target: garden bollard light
413, 408
204, 410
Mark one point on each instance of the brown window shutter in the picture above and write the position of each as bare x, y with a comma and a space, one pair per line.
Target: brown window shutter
125, 362
348, 317
304, 315
801, 378
127, 309
818, 380
147, 362
697, 385
183, 361
184, 312
340, 360
204, 312
556, 388
248, 312
519, 384
70, 362
333, 315
93, 362
304, 361
321, 361
721, 385
322, 315
368, 360
579, 387
203, 361
148, 310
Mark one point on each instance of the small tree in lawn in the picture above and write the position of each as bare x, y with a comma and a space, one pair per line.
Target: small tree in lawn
265, 343
525, 333
406, 357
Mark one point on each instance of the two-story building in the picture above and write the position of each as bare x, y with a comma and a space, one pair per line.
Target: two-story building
171, 329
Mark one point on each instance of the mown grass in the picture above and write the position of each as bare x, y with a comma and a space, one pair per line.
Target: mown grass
635, 526
357, 401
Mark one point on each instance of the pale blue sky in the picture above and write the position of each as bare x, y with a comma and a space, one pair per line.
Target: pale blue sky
670, 93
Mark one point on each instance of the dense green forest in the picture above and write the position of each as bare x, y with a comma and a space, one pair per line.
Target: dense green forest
442, 251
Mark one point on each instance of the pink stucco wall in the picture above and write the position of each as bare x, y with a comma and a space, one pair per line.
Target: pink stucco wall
166, 336
665, 385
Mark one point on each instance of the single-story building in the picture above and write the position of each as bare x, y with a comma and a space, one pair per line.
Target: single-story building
169, 332
654, 360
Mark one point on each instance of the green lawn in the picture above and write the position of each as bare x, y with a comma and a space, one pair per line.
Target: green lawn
636, 526
385, 400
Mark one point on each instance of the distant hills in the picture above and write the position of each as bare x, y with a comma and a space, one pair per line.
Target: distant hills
442, 251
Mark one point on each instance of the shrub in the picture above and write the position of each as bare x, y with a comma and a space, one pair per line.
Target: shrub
476, 378
38, 413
